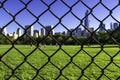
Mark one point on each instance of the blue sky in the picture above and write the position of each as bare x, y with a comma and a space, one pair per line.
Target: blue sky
59, 9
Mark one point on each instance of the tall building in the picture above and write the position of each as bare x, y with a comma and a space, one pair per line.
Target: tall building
30, 31
42, 32
86, 21
63, 33
115, 25
10, 34
78, 32
91, 29
71, 31
58, 33
19, 32
4, 31
39, 32
102, 27
15, 36
111, 26
49, 30
36, 33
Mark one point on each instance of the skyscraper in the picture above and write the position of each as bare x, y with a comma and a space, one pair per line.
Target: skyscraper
86, 21
15, 36
49, 30
4, 31
91, 29
102, 28
111, 26
19, 32
30, 31
115, 25
64, 33
39, 32
42, 32
78, 32
71, 32
36, 33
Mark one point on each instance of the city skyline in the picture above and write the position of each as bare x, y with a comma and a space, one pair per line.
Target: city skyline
79, 32
25, 18
49, 29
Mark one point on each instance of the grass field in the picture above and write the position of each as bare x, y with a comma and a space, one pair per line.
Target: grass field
72, 71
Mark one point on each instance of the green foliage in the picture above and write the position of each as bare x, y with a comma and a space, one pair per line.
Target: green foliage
111, 37
116, 34
5, 40
103, 37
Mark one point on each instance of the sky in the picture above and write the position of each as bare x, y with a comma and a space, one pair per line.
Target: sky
59, 9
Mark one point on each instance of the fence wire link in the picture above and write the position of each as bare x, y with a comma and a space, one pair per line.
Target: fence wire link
37, 71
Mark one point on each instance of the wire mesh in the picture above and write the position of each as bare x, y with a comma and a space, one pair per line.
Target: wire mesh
48, 57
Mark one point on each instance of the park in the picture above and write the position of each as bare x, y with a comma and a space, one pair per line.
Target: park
61, 57
60, 40
90, 62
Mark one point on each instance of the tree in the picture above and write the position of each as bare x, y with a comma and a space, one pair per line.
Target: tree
116, 34
103, 37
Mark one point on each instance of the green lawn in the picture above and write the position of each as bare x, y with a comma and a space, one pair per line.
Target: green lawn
60, 59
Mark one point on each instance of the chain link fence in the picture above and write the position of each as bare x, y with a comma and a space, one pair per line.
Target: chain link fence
79, 52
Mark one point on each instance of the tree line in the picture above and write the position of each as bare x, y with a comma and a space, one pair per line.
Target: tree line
108, 37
